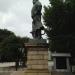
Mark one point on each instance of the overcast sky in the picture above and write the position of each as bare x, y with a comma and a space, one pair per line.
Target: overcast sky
15, 15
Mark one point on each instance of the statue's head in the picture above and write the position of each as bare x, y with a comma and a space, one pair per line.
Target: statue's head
34, 1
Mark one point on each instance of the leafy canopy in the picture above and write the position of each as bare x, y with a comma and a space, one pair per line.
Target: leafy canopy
59, 17
10, 44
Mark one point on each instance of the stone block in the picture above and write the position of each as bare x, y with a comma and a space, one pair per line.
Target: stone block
37, 49
32, 52
32, 74
42, 62
42, 52
37, 62
41, 49
45, 67
44, 74
36, 57
29, 66
37, 66
29, 57
46, 57
36, 71
31, 62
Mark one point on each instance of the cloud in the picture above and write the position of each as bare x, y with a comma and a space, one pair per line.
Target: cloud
5, 4
15, 15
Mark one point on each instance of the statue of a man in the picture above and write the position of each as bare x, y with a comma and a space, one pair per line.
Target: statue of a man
36, 16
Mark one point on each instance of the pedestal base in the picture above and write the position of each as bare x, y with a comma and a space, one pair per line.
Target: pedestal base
37, 59
37, 72
37, 41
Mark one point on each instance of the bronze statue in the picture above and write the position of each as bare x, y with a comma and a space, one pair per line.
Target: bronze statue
36, 16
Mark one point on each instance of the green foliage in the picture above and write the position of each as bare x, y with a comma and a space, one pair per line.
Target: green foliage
4, 33
59, 17
10, 44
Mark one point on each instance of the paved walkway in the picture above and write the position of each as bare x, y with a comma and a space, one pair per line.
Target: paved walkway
18, 73
6, 69
13, 73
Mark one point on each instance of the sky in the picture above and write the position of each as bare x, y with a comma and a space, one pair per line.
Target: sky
15, 15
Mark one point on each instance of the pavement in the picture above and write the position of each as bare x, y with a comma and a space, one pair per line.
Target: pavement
8, 68
18, 73
12, 73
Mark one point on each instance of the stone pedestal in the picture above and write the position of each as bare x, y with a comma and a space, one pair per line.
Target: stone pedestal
37, 59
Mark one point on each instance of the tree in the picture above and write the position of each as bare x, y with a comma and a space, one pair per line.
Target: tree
10, 44
59, 17
12, 48
5, 36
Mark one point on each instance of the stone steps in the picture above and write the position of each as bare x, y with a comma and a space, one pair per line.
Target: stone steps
5, 73
26, 72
